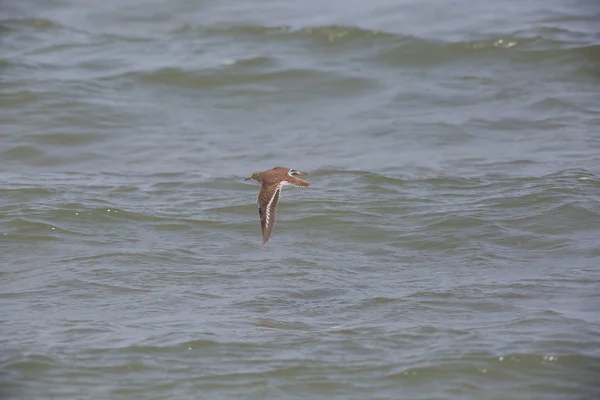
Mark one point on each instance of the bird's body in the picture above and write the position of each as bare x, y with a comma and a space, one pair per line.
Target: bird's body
271, 183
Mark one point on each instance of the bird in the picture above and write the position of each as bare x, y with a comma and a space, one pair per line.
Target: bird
271, 183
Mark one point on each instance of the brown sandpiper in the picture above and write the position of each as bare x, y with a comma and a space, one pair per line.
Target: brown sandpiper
271, 183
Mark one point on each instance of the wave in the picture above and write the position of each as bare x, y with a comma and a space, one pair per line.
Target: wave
11, 24
339, 35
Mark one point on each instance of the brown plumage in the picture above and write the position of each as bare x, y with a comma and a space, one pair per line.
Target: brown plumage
271, 183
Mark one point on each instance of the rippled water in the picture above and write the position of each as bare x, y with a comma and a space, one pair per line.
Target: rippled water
447, 248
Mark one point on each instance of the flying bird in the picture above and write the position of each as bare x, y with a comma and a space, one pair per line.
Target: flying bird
271, 183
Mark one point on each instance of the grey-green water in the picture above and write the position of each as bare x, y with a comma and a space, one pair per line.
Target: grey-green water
448, 247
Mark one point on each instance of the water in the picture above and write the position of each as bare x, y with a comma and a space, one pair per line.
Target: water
447, 248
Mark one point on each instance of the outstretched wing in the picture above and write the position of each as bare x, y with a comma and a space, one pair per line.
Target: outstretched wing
267, 209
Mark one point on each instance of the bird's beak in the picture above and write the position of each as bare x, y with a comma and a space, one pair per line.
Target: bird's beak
247, 179
297, 173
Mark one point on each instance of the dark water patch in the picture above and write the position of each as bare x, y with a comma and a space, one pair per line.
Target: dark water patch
95, 286
87, 215
253, 62
328, 171
229, 183
555, 104
352, 331
382, 181
31, 363
428, 53
25, 194
316, 294
448, 182
65, 138
332, 34
37, 23
283, 325
448, 222
114, 38
562, 218
404, 50
19, 99
28, 226
421, 53
23, 152
265, 82
85, 331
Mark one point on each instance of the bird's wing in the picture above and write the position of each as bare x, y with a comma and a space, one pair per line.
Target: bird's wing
268, 198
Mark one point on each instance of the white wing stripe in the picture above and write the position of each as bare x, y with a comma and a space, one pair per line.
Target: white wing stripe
268, 210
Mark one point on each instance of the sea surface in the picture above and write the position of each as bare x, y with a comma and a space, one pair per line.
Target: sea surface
447, 248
